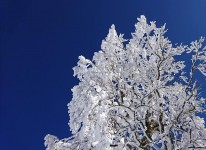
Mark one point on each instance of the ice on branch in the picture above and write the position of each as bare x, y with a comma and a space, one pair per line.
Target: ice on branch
138, 96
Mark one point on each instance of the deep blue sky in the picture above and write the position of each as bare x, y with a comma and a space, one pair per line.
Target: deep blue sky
40, 41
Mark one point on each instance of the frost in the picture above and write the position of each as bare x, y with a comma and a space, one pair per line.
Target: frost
137, 95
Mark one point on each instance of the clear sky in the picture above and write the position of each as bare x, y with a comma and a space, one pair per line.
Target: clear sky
40, 41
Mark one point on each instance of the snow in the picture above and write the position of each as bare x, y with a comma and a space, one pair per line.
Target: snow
137, 95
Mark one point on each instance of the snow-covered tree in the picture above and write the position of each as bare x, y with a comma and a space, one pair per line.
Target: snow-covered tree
138, 94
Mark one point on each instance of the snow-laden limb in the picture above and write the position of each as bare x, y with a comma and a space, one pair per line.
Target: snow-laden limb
137, 96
